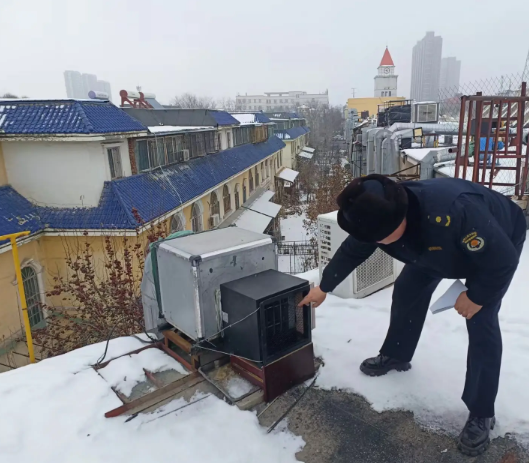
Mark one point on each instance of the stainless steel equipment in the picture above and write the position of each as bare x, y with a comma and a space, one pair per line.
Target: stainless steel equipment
192, 268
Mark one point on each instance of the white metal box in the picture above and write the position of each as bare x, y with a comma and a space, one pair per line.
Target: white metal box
377, 272
191, 269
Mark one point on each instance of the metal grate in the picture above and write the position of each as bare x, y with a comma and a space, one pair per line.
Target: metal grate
375, 269
284, 323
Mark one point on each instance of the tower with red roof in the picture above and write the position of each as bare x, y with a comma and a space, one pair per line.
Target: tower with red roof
386, 79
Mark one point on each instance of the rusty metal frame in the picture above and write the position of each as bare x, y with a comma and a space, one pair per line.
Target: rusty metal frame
509, 110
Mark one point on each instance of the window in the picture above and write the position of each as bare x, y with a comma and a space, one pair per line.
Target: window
244, 193
250, 180
237, 197
214, 205
219, 142
256, 177
196, 218
390, 93
267, 167
226, 198
142, 156
281, 158
277, 161
32, 291
177, 223
114, 160
228, 134
262, 172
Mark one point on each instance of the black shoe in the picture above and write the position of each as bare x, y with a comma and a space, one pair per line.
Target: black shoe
381, 364
474, 438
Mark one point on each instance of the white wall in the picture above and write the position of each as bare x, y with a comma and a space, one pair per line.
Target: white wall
61, 173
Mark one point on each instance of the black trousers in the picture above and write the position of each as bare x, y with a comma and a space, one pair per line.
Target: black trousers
411, 299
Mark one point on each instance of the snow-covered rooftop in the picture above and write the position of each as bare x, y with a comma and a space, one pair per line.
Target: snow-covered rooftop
246, 119
259, 214
308, 149
66, 400
288, 174
306, 154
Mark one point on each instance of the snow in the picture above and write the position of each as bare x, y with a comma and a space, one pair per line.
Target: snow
125, 372
54, 412
420, 153
173, 128
288, 174
237, 387
253, 221
308, 149
292, 228
245, 119
305, 154
259, 214
348, 331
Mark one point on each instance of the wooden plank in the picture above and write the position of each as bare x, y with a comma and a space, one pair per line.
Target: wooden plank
148, 400
184, 344
177, 357
153, 379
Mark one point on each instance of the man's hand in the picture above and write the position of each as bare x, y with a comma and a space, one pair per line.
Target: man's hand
316, 296
466, 307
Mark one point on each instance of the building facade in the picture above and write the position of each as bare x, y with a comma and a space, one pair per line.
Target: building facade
426, 68
450, 75
77, 171
280, 101
79, 85
386, 79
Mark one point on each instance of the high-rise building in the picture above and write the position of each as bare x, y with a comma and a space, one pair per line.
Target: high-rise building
450, 74
89, 84
386, 80
426, 68
104, 86
79, 85
74, 84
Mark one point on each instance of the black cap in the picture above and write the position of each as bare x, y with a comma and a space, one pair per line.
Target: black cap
372, 207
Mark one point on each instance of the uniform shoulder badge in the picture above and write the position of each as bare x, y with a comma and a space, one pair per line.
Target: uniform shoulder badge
441, 220
473, 242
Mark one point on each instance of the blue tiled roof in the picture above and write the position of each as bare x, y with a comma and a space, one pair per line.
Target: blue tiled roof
224, 118
17, 213
151, 194
260, 117
32, 117
290, 134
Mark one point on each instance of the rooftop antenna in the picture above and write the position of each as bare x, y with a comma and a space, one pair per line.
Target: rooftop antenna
525, 74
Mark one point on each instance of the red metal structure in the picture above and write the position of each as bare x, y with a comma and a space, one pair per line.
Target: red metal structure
488, 121
134, 99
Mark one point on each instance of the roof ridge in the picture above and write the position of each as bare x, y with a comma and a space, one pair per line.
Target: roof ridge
80, 110
128, 213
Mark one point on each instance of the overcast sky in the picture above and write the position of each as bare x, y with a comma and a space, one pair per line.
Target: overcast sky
221, 48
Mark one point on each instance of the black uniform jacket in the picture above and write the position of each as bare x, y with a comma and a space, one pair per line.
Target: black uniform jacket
455, 229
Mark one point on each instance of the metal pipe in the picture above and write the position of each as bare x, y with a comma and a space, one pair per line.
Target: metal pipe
439, 129
433, 157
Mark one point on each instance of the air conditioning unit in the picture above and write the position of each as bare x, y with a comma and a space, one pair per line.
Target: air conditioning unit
214, 220
425, 112
377, 272
185, 155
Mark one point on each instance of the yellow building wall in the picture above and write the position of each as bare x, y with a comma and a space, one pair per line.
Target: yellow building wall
10, 313
3, 173
50, 252
370, 104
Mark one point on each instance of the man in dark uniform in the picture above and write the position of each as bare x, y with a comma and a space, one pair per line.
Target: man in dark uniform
440, 228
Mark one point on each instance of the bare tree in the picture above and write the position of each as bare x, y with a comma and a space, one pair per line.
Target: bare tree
192, 101
226, 104
325, 122
8, 95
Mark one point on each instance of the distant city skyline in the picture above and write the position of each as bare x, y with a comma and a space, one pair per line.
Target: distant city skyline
450, 76
426, 68
79, 85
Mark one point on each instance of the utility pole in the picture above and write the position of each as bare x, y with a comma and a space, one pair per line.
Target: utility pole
353, 89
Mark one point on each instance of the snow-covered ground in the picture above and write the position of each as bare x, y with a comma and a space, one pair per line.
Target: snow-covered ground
53, 412
348, 331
